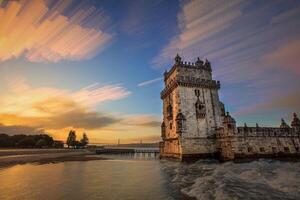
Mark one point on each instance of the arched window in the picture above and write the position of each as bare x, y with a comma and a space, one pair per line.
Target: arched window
200, 109
163, 130
169, 112
180, 123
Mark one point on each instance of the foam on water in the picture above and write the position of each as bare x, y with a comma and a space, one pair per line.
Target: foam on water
263, 179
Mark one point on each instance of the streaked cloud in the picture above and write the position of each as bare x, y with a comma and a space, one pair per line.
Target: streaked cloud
26, 100
234, 35
197, 21
288, 102
45, 33
141, 120
286, 57
149, 82
33, 110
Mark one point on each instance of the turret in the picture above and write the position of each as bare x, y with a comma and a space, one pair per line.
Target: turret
296, 123
199, 62
177, 59
229, 124
283, 124
207, 65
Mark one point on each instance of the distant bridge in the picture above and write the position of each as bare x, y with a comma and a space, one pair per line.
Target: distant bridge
116, 150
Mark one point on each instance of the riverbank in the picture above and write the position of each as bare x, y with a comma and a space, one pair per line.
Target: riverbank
10, 157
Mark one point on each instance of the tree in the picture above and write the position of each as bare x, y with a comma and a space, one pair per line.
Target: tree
41, 143
71, 138
84, 140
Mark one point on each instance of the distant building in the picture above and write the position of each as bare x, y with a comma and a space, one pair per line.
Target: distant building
195, 124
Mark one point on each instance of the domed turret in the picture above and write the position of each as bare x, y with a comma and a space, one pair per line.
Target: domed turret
177, 59
296, 123
228, 118
199, 62
283, 124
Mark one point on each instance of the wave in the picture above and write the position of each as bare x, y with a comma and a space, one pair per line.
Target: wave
210, 180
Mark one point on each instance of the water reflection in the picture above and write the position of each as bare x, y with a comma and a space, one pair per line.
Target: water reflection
116, 179
149, 178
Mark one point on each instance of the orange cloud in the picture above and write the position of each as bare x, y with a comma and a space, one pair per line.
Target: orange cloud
42, 34
25, 100
29, 110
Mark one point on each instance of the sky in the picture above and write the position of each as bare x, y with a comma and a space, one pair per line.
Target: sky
96, 66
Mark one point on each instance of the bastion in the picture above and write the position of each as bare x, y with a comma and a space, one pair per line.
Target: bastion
195, 124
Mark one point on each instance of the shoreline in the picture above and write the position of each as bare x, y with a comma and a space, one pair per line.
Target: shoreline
11, 157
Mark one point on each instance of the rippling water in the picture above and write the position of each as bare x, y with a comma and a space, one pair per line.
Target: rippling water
151, 179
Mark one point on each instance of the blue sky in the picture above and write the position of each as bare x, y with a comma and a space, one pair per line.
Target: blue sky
98, 56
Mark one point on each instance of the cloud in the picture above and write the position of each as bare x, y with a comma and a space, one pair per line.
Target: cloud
29, 110
25, 100
149, 82
287, 57
288, 102
53, 108
141, 120
44, 33
16, 130
95, 94
197, 21
75, 116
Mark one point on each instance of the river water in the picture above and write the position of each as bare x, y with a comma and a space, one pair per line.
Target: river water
142, 179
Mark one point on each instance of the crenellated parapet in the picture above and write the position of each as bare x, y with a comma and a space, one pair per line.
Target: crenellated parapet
179, 64
257, 142
189, 82
284, 130
265, 132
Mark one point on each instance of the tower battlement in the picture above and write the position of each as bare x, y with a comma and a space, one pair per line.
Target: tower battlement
199, 67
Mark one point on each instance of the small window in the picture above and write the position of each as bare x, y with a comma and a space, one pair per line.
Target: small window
250, 149
274, 149
171, 124
261, 149
297, 149
286, 149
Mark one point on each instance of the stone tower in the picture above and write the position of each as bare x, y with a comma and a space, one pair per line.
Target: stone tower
192, 111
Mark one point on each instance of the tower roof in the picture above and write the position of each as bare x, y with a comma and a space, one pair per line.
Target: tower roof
283, 124
296, 121
228, 118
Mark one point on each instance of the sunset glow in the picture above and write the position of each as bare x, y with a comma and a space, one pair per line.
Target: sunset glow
97, 68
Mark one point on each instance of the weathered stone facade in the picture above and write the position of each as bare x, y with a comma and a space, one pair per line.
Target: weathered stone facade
191, 110
258, 142
195, 124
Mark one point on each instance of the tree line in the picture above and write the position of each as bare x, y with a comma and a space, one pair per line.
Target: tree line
29, 141
73, 143
41, 141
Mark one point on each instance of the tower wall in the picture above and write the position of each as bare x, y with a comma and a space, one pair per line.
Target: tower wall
190, 91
